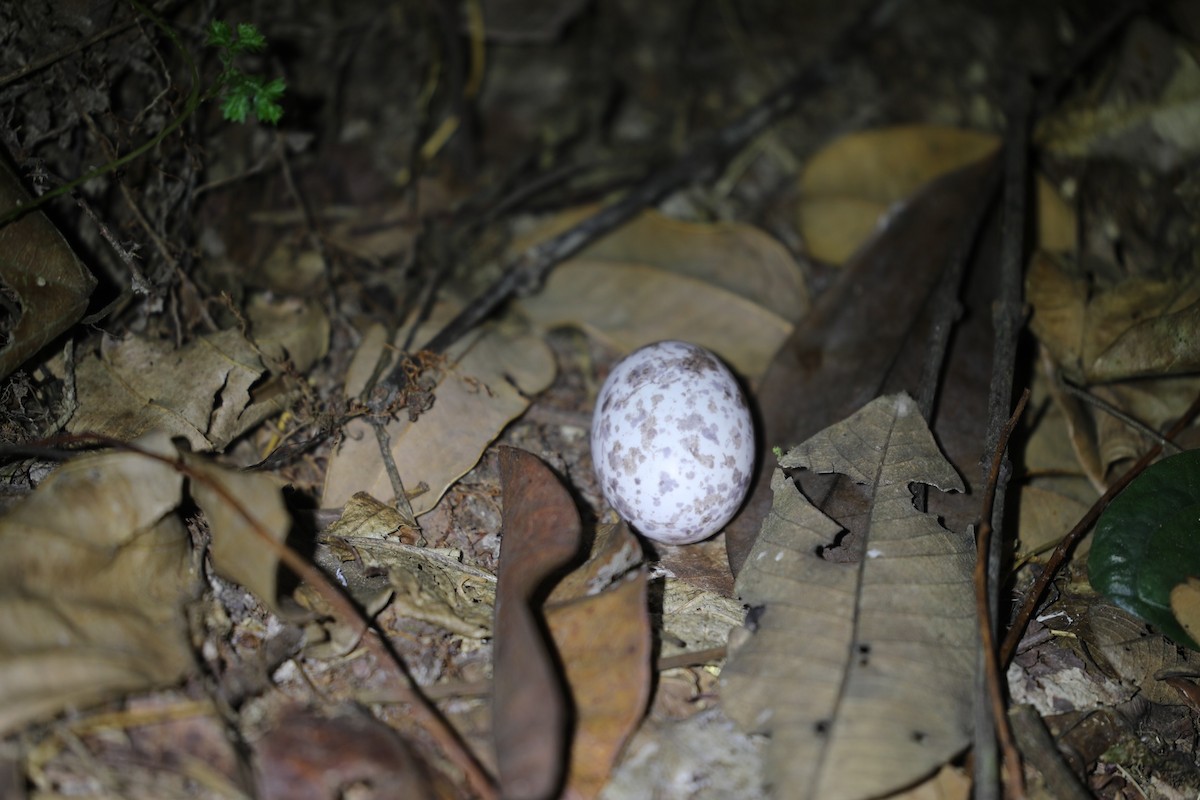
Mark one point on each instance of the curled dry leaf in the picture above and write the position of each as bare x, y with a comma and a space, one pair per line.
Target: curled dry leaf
540, 536
95, 570
598, 619
861, 672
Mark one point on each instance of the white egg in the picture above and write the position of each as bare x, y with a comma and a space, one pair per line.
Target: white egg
673, 442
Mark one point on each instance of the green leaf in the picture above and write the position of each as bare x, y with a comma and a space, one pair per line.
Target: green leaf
1148, 542
249, 38
219, 34
235, 107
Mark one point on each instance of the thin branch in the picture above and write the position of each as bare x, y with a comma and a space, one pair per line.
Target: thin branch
983, 608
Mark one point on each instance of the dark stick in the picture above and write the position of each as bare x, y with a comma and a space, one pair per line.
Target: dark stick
1007, 319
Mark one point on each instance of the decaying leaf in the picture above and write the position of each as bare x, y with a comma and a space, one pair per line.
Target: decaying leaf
867, 336
95, 570
861, 671
44, 285
726, 286
309, 757
486, 381
209, 391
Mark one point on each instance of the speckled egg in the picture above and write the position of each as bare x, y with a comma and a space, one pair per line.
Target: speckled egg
673, 442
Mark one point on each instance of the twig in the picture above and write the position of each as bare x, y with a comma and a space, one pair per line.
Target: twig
983, 608
393, 473
1006, 323
1039, 748
1059, 556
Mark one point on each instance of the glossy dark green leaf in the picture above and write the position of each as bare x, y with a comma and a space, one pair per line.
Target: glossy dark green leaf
1148, 542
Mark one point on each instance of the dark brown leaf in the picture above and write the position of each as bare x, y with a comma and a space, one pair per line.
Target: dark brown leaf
540, 536
865, 336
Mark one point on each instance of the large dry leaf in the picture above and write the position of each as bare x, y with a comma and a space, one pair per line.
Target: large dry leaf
726, 286
630, 305
850, 187
487, 380
861, 672
869, 335
95, 570
733, 256
44, 283
209, 391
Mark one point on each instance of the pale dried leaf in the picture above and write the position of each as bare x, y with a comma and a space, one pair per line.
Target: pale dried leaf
94, 574
628, 305
861, 672
733, 256
1149, 110
1140, 326
202, 391
487, 381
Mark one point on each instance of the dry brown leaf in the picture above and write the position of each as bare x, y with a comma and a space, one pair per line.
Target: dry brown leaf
849, 187
487, 381
95, 570
867, 336
861, 672
1185, 605
39, 275
307, 757
726, 286
1138, 327
1122, 647
530, 719
732, 256
209, 391
603, 641
628, 305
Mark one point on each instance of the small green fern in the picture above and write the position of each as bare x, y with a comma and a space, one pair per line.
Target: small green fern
240, 93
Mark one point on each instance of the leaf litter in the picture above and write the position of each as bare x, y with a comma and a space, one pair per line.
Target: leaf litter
605, 622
